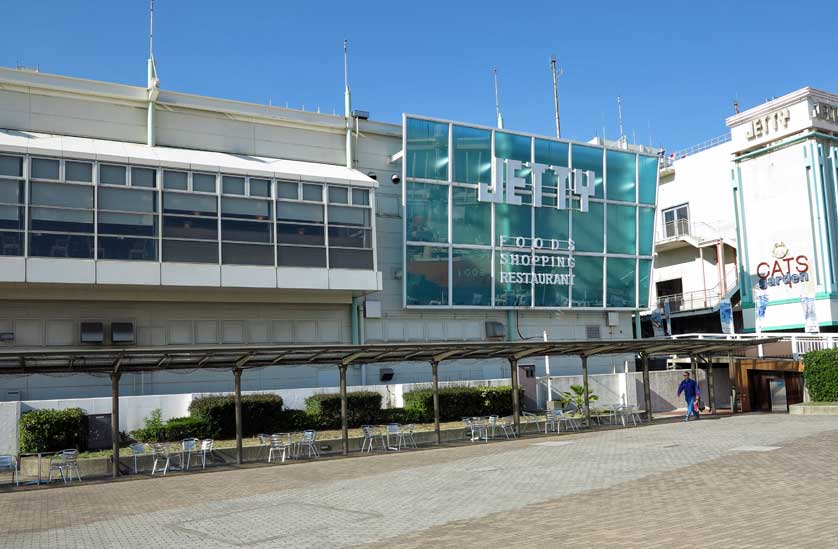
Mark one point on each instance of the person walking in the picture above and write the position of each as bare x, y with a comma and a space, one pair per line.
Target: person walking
690, 389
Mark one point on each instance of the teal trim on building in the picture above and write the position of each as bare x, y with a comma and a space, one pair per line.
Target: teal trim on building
790, 327
741, 236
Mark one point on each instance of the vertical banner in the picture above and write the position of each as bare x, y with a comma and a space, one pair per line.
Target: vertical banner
668, 314
657, 323
726, 316
762, 305
809, 315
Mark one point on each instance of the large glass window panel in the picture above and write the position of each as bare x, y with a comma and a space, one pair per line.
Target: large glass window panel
78, 171
427, 212
11, 166
512, 221
361, 197
427, 275
127, 200
127, 224
588, 228
648, 172
300, 256
247, 231
177, 181
232, 185
59, 220
189, 227
646, 229
288, 189
471, 220
644, 269
260, 187
472, 155
621, 229
128, 249
345, 215
516, 291
313, 193
190, 204
244, 208
11, 243
203, 182
61, 245
60, 194
350, 259
427, 150
551, 153
549, 294
587, 282
290, 211
350, 237
44, 168
11, 191
296, 233
589, 158
111, 175
512, 146
620, 273
190, 251
471, 277
143, 177
621, 167
246, 254
552, 223
11, 217
338, 195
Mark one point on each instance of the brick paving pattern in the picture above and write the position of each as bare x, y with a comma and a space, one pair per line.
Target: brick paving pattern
743, 481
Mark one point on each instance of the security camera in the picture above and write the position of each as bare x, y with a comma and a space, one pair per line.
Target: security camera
396, 179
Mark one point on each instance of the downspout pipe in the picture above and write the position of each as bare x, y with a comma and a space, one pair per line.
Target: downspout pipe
356, 332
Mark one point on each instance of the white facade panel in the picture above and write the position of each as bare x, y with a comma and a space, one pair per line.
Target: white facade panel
353, 279
241, 276
302, 278
12, 269
143, 273
61, 271
190, 274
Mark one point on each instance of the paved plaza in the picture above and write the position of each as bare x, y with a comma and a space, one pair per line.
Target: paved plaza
742, 481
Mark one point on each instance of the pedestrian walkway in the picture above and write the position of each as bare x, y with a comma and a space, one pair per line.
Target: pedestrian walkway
760, 480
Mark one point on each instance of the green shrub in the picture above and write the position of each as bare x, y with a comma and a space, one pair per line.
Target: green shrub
293, 420
820, 372
260, 414
459, 402
177, 428
52, 430
324, 409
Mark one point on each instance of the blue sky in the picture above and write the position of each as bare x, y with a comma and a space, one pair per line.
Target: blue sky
677, 65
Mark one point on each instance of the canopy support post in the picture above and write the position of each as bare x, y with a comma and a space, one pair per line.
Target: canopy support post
585, 389
344, 411
237, 376
516, 404
435, 391
647, 390
115, 422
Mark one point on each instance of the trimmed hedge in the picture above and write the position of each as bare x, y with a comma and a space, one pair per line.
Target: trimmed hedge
324, 409
176, 429
459, 402
52, 430
260, 414
820, 373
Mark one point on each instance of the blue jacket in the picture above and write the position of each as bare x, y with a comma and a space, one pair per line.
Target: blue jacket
690, 389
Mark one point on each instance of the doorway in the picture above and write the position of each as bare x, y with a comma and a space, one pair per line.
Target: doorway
760, 391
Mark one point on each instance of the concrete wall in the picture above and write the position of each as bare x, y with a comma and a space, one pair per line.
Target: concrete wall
9, 416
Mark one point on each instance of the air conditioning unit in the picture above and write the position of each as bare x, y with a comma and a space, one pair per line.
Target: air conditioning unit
613, 318
92, 332
122, 332
385, 374
495, 329
592, 331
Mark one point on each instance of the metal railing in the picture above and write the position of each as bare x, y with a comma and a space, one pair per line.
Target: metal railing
699, 230
700, 299
667, 160
791, 345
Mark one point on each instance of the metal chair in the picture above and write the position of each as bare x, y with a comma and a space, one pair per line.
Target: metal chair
393, 430
560, 418
532, 418
550, 423
264, 442
371, 435
161, 452
406, 436
279, 444
506, 425
65, 462
206, 450
137, 449
188, 448
9, 463
309, 443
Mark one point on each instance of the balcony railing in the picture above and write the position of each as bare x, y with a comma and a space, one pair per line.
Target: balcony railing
700, 299
667, 160
791, 345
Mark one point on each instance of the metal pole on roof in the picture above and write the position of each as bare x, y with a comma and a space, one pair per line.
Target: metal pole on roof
585, 388
344, 411
115, 423
347, 104
516, 404
435, 391
556, 75
647, 390
237, 374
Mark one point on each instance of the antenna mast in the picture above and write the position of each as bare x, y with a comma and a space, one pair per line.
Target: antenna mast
556, 76
620, 117
497, 102
153, 87
347, 103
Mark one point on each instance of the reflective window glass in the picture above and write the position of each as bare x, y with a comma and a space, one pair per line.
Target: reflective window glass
127, 200
313, 193
512, 146
57, 194
471, 220
144, 177
11, 191
426, 212
621, 229
60, 245
288, 189
11, 166
589, 158
289, 211
350, 237
190, 251
619, 290
300, 256
338, 195
551, 153
644, 268
471, 277
512, 282
246, 254
350, 259
648, 172
178, 181
12, 217
552, 223
232, 185
512, 221
127, 249
60, 220
587, 228
190, 204
645, 232
343, 215
361, 197
427, 275
472, 155
427, 149
296, 233
203, 182
248, 209
111, 175
11, 243
189, 227
260, 187
554, 294
587, 282
78, 171
45, 168
621, 169
246, 231
127, 224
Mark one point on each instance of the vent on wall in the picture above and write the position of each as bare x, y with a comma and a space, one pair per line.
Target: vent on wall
92, 332
592, 331
122, 332
495, 329
385, 374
